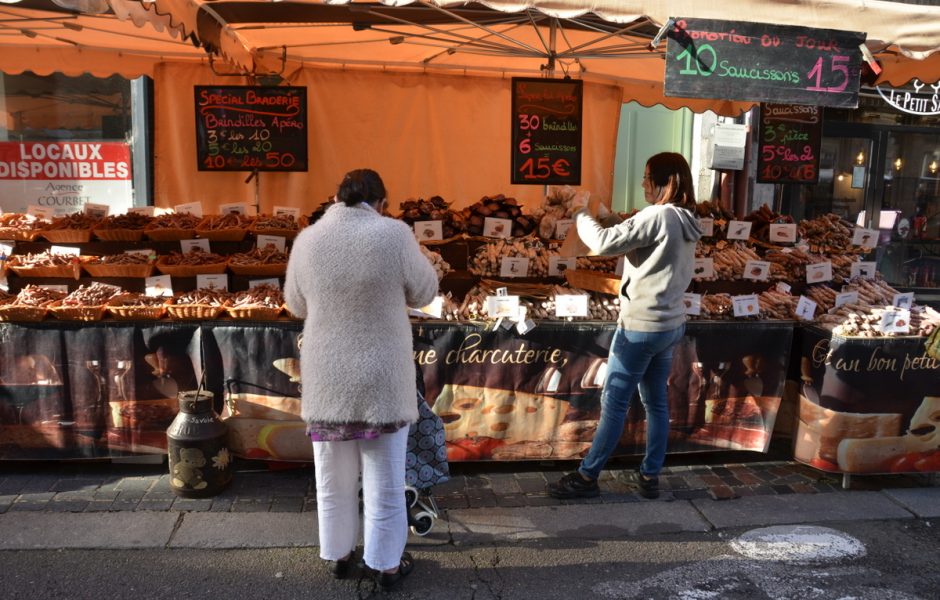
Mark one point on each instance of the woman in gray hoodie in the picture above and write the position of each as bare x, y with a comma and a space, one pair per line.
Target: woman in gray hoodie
659, 245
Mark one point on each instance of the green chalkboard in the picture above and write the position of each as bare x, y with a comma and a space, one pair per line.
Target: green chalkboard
761, 62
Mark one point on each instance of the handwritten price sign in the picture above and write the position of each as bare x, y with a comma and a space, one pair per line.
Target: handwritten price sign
708, 58
546, 131
790, 137
248, 128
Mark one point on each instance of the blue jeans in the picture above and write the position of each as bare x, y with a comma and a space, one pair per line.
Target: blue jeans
637, 359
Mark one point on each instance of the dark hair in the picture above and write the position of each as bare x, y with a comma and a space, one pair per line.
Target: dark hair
670, 166
361, 185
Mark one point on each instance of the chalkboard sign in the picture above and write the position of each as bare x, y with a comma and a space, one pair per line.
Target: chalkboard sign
250, 128
546, 131
790, 136
707, 58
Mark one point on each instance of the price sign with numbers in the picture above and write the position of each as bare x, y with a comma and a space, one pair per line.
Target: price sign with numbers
251, 128
546, 131
789, 141
763, 62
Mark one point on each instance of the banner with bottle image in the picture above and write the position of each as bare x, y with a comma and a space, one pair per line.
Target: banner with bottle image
108, 389
868, 405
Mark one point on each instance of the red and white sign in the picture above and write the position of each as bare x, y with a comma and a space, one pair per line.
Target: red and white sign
64, 176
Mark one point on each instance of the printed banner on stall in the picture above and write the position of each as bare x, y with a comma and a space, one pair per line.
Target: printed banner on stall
64, 176
868, 405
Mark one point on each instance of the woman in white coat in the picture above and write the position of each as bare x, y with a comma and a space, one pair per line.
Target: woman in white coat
351, 276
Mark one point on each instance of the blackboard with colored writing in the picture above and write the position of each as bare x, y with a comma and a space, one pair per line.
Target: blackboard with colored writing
707, 58
251, 128
546, 131
789, 138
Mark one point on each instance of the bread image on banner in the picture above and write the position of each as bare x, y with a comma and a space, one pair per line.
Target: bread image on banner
738, 423
821, 430
266, 427
918, 449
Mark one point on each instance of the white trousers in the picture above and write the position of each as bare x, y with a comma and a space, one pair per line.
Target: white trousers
382, 464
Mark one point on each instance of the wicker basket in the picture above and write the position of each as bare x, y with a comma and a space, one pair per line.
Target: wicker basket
18, 312
169, 235
284, 233
118, 234
229, 234
66, 236
255, 313
72, 271
18, 234
259, 270
135, 313
78, 313
190, 270
104, 270
194, 311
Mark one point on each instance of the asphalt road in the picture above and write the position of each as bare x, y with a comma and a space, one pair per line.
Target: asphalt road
862, 560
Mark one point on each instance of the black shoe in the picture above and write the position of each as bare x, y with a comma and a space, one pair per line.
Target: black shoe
573, 485
344, 567
388, 581
649, 485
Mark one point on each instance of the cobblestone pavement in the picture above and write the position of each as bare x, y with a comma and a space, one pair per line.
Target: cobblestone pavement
257, 487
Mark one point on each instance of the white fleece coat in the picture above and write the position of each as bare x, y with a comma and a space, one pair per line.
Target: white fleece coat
351, 276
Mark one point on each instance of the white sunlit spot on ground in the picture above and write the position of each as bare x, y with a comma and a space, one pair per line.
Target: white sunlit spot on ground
800, 543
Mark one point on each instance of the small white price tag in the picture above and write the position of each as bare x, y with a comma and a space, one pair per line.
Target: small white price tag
427, 231
502, 306
561, 228
236, 208
99, 211
863, 269
805, 309
193, 208
896, 320
703, 268
278, 241
212, 282
273, 281
435, 308
905, 300
739, 230
55, 288
158, 285
866, 238
783, 288
693, 303
757, 270
147, 211
67, 250
525, 326
503, 291
782, 232
189, 245
5, 251
558, 265
708, 226
745, 306
287, 211
513, 266
498, 228
40, 212
819, 272
571, 305
846, 298
620, 264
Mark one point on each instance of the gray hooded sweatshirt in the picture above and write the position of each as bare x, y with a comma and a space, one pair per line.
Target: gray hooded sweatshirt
659, 244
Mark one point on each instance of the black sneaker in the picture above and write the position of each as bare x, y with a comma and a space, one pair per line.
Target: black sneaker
649, 485
573, 485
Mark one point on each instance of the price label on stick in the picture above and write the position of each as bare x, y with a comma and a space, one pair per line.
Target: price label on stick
67, 250
190, 245
756, 270
558, 265
905, 300
782, 232
147, 211
863, 269
866, 238
193, 208
846, 298
40, 212
502, 307
99, 211
805, 309
427, 231
272, 281
55, 288
511, 266
238, 208
278, 241
819, 272
561, 228
287, 211
212, 282
158, 285
895, 320
739, 230
703, 268
497, 228
693, 303
745, 306
571, 305
708, 226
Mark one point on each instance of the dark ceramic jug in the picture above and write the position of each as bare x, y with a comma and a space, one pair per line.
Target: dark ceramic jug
197, 442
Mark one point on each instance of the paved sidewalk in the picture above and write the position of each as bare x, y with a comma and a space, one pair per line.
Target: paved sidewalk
131, 506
